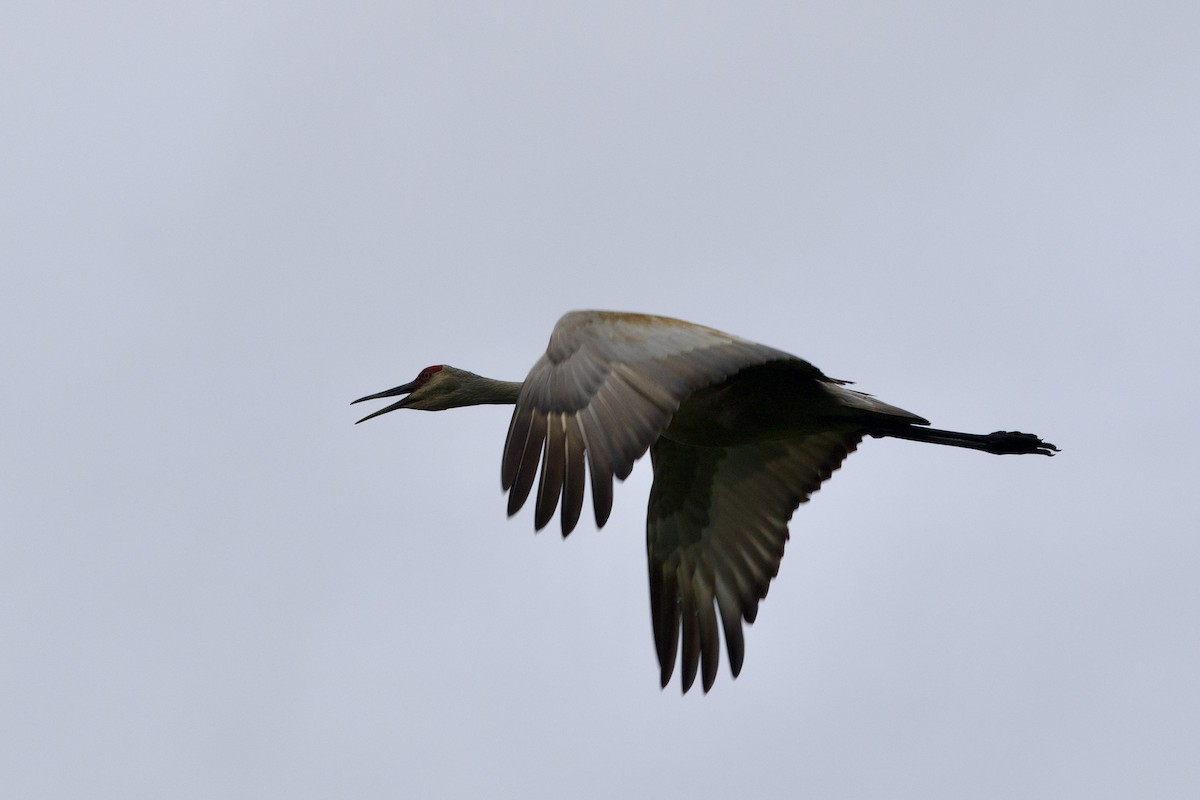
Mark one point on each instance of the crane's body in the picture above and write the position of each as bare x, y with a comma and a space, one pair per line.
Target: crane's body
739, 434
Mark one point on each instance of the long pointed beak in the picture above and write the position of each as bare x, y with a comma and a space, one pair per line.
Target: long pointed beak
405, 389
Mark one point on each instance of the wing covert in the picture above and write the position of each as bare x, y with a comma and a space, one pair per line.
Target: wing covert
602, 393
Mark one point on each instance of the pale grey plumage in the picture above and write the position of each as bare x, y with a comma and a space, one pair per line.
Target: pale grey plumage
608, 385
739, 433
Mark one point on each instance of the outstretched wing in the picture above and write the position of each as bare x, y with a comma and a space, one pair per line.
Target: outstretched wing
602, 393
715, 530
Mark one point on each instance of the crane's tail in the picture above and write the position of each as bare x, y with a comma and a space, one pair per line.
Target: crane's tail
999, 442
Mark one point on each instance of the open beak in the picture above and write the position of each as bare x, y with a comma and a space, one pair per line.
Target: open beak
405, 389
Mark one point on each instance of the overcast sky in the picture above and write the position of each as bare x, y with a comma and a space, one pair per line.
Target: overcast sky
220, 223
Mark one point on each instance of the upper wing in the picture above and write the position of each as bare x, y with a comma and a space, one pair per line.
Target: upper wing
606, 389
716, 528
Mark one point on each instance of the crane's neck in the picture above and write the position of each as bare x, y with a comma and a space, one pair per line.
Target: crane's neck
476, 390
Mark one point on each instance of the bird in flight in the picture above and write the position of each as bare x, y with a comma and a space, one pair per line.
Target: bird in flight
739, 435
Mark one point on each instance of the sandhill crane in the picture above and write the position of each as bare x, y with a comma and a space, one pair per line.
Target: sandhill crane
739, 435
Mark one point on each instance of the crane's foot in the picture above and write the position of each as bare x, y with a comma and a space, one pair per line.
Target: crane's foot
1017, 443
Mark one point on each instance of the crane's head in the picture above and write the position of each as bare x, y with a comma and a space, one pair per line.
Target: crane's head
429, 391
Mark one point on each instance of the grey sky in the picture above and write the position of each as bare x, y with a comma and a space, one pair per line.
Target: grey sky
221, 223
